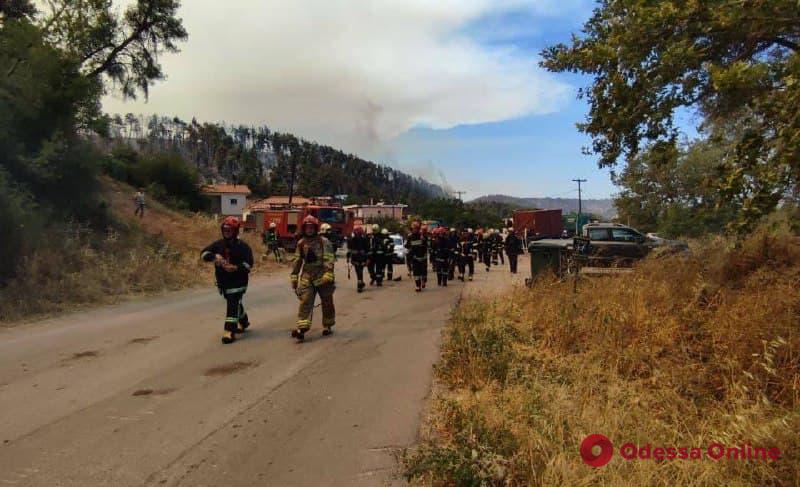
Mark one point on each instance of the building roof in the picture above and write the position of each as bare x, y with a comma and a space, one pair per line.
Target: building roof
225, 188
379, 205
278, 201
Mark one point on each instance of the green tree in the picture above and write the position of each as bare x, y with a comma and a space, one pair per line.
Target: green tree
725, 59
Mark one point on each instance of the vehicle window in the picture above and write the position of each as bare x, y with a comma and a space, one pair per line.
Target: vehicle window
598, 234
398, 241
624, 235
331, 215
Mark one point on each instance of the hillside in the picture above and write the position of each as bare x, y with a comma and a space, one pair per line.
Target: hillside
602, 207
263, 158
77, 266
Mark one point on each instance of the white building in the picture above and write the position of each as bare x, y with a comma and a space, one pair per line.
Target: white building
380, 210
227, 199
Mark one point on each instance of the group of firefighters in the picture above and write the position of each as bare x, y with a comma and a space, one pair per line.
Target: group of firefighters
313, 270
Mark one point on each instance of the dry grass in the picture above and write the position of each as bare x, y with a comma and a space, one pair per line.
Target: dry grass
80, 267
686, 351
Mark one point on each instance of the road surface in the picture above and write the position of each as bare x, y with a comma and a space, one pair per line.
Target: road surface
144, 393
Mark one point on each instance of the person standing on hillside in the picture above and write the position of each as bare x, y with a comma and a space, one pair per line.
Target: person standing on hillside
138, 202
513, 246
357, 254
312, 274
417, 246
233, 261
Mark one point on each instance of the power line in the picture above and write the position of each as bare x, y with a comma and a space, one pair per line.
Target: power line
460, 194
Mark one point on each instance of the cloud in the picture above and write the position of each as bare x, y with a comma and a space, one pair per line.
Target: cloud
349, 73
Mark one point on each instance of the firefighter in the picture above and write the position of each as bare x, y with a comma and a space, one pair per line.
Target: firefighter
233, 260
378, 252
484, 254
388, 256
271, 241
417, 245
326, 231
452, 242
441, 250
371, 258
513, 246
466, 259
499, 241
313, 274
357, 254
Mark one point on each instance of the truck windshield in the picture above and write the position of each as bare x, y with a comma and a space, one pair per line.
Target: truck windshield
331, 215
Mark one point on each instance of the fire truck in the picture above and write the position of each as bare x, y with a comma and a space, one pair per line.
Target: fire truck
288, 220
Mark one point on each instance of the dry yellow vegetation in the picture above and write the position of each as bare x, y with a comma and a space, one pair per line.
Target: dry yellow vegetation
686, 351
79, 267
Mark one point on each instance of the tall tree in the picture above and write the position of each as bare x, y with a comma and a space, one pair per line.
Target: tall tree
726, 59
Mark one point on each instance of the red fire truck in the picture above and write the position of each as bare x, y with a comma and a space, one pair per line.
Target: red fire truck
287, 222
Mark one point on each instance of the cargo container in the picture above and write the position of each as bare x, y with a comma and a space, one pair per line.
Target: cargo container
538, 223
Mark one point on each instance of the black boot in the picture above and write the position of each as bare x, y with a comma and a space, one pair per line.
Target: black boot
299, 335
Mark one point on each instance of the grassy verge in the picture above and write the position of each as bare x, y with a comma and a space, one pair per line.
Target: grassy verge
79, 267
685, 352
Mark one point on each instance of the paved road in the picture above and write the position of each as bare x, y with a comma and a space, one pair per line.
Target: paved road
144, 393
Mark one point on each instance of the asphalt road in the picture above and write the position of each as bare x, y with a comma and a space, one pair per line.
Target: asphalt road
144, 393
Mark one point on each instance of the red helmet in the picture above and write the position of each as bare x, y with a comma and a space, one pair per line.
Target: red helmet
233, 223
311, 220
358, 230
425, 230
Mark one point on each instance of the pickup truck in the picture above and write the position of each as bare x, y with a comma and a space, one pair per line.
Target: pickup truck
608, 244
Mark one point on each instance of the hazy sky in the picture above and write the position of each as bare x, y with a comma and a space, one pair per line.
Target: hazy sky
446, 88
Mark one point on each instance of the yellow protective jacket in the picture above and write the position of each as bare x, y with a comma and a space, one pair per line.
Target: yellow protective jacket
313, 262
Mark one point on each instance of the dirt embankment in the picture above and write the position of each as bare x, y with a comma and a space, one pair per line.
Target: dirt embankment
80, 267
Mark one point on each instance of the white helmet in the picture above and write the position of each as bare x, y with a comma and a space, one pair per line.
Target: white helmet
376, 228
469, 230
385, 231
325, 227
272, 225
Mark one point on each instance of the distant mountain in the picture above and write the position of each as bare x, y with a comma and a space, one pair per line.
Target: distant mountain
601, 207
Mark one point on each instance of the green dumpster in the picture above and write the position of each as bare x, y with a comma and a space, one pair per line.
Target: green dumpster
545, 256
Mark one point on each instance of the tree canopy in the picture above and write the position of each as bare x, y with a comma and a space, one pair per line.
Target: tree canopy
733, 62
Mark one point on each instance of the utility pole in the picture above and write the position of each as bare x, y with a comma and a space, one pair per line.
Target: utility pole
460, 194
578, 219
287, 153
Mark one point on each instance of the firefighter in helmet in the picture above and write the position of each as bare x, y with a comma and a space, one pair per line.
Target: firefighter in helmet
452, 242
378, 251
388, 255
373, 237
513, 246
466, 256
271, 241
233, 260
358, 253
313, 274
417, 245
441, 255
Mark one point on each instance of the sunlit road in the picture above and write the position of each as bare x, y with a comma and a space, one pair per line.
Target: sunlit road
144, 393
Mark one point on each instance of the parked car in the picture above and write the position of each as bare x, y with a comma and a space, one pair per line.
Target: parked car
399, 256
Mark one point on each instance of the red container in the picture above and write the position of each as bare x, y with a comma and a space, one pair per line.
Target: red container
539, 223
